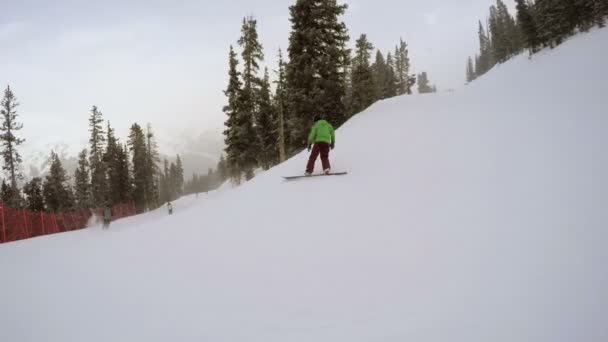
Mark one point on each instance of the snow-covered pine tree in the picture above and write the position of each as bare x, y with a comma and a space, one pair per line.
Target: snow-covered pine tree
58, 195
34, 199
364, 92
96, 164
10, 142
82, 182
318, 61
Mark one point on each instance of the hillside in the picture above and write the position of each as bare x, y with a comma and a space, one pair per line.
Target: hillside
477, 215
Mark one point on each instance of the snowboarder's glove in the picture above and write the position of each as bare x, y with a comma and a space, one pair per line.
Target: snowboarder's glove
309, 147
333, 145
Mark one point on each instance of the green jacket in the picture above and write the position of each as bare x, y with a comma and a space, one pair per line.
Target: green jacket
322, 132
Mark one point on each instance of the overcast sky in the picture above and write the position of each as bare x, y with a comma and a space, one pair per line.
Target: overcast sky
165, 62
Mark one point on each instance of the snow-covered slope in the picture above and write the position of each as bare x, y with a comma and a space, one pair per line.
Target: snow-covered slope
479, 215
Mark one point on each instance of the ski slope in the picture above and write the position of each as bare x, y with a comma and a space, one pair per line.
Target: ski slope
477, 215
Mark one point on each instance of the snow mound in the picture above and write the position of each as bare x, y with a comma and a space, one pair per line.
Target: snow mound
478, 215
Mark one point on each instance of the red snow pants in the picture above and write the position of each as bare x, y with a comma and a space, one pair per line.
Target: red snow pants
323, 150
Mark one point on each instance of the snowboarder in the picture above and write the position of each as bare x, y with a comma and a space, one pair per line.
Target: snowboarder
170, 208
321, 139
107, 217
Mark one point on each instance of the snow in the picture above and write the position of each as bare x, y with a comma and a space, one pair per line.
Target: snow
477, 215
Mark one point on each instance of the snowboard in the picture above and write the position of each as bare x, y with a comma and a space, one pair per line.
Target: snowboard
316, 175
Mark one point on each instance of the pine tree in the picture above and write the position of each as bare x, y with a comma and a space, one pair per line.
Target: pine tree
174, 181
527, 25
280, 105
600, 12
96, 164
10, 142
111, 161
123, 180
7, 194
484, 61
34, 198
555, 20
236, 142
379, 76
252, 55
506, 39
499, 44
179, 176
116, 161
138, 150
165, 184
318, 62
405, 81
582, 15
391, 82
364, 92
384, 77
57, 192
470, 70
265, 125
424, 87
222, 170
82, 182
152, 168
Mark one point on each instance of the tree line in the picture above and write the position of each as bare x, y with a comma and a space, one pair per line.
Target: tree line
319, 76
536, 25
109, 172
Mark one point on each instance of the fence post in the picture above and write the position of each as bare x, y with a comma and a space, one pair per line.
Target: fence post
54, 220
3, 226
71, 217
42, 222
27, 233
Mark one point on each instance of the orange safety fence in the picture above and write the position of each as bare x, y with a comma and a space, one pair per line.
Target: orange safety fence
21, 224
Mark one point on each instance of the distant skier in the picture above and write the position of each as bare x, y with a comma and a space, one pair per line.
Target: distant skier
170, 208
321, 139
107, 217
